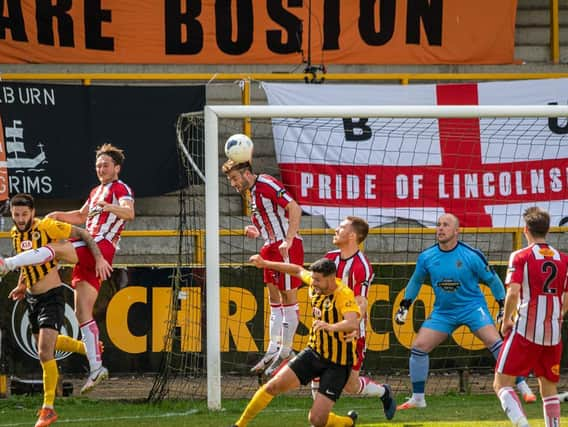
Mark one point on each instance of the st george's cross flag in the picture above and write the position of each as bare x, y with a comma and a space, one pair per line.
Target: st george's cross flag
485, 171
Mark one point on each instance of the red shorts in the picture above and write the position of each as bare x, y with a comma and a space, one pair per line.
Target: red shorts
519, 356
271, 253
84, 270
360, 353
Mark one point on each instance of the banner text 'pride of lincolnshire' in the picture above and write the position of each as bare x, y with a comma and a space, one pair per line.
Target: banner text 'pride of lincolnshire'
484, 170
257, 31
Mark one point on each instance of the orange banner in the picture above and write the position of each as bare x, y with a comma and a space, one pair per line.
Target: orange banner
257, 31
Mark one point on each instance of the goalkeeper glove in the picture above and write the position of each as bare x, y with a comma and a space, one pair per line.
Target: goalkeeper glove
501, 312
402, 312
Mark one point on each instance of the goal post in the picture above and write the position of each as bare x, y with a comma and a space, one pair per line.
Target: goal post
214, 113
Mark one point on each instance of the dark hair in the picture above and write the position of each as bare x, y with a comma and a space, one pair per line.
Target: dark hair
360, 227
230, 166
22, 199
537, 221
324, 266
116, 154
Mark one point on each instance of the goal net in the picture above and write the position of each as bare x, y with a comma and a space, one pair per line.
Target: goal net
400, 168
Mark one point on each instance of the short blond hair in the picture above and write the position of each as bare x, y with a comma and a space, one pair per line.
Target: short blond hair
115, 153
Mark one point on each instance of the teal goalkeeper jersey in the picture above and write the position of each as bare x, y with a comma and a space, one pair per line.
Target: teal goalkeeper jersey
455, 276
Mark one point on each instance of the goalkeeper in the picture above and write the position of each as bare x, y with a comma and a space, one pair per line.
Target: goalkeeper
455, 270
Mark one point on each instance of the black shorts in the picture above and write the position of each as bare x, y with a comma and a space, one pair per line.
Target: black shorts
46, 310
308, 365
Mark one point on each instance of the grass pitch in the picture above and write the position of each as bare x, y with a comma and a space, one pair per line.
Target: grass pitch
284, 411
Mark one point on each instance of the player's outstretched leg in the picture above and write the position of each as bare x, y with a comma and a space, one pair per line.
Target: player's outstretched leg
389, 402
275, 333
98, 373
95, 378
512, 406
290, 321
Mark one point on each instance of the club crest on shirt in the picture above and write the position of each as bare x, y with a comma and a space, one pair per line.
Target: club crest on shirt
326, 304
459, 264
36, 235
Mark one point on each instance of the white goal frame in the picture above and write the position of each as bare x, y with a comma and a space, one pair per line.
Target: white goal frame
213, 113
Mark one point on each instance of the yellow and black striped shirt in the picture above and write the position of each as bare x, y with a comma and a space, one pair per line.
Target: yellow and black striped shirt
42, 232
332, 346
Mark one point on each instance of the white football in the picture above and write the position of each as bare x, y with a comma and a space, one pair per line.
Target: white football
239, 148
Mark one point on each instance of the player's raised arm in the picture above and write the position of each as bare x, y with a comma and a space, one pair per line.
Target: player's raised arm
283, 267
75, 217
103, 269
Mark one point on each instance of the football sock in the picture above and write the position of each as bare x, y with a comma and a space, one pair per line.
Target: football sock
290, 323
259, 401
511, 404
551, 409
70, 345
419, 364
30, 257
334, 420
367, 387
90, 337
275, 328
50, 374
496, 348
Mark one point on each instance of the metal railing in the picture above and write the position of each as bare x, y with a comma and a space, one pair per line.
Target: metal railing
199, 235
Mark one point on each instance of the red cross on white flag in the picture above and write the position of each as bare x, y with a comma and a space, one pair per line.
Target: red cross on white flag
486, 171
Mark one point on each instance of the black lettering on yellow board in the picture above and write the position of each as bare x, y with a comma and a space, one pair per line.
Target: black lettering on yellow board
238, 308
117, 319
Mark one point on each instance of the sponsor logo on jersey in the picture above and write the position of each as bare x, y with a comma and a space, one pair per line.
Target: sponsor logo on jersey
449, 285
25, 245
546, 252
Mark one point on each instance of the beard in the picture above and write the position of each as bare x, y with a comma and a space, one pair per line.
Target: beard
25, 227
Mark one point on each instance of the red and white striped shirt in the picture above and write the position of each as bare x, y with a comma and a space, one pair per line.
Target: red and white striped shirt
541, 271
268, 203
357, 273
106, 225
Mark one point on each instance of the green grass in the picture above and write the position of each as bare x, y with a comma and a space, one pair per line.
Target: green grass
451, 410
